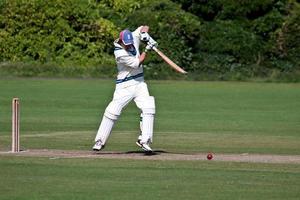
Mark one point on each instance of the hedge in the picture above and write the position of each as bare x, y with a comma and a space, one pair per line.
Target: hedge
217, 39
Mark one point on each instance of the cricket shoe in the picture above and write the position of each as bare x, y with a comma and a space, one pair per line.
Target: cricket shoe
138, 142
144, 146
98, 145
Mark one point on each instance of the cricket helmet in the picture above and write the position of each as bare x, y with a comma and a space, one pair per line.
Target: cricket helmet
126, 37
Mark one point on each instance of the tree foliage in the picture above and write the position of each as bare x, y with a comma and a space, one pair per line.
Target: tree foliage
246, 38
218, 39
54, 31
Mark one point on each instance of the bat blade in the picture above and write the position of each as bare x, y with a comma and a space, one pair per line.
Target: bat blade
169, 61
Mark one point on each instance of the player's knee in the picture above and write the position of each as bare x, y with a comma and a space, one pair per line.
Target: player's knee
113, 111
149, 105
111, 115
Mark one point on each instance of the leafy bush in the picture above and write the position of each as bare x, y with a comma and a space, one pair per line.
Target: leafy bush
63, 32
216, 39
249, 38
286, 42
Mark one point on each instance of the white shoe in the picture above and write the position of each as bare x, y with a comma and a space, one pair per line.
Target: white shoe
144, 146
138, 142
98, 146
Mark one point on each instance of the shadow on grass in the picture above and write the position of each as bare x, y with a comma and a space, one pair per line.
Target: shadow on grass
146, 153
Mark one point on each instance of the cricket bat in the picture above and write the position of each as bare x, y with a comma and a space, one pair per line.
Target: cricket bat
169, 61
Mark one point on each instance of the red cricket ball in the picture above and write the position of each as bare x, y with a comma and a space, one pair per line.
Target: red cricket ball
209, 156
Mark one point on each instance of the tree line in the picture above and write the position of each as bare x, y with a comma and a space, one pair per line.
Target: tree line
212, 39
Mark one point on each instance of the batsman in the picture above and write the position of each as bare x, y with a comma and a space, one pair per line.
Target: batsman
130, 86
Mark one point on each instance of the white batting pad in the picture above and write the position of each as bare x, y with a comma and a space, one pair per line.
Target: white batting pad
113, 110
141, 122
146, 104
104, 129
147, 128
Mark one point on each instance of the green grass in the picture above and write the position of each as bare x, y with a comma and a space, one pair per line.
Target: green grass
191, 116
43, 178
224, 117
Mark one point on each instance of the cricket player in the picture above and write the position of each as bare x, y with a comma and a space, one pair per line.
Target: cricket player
130, 86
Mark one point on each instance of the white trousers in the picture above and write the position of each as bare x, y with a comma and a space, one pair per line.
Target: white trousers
121, 98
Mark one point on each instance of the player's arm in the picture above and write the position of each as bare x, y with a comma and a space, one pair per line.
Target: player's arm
139, 30
142, 30
131, 61
142, 57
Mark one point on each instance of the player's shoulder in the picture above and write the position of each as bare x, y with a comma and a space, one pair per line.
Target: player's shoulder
119, 50
117, 46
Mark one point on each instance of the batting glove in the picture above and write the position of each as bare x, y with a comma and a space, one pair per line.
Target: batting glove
152, 42
149, 47
144, 36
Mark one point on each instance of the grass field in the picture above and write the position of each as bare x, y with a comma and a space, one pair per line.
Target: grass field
222, 117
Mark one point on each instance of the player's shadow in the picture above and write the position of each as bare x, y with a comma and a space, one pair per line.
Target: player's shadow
141, 152
147, 153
